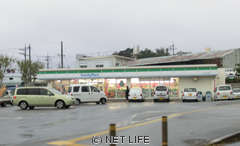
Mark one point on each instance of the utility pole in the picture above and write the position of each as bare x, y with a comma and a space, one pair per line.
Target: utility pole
29, 53
24, 53
172, 47
46, 58
61, 54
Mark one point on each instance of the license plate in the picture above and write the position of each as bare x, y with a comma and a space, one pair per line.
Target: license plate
134, 97
225, 96
189, 94
161, 98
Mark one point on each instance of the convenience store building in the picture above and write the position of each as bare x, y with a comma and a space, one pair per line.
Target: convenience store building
113, 81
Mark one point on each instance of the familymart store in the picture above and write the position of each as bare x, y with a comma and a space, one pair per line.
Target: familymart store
113, 81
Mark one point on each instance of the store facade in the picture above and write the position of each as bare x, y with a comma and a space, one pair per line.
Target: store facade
113, 81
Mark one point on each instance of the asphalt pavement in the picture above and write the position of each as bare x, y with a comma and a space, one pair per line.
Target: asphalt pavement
191, 123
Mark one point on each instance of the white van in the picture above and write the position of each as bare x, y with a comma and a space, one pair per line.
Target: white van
135, 94
223, 92
161, 93
86, 93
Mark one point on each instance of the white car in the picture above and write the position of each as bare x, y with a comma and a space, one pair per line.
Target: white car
161, 93
189, 94
223, 92
86, 93
135, 94
236, 93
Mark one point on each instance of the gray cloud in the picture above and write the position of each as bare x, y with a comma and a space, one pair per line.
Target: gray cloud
90, 26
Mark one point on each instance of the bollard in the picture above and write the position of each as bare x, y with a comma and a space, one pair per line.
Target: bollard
112, 132
164, 131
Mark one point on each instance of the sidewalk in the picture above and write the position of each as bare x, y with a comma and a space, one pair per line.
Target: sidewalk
148, 99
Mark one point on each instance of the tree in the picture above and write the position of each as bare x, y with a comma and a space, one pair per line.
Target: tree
126, 53
5, 62
146, 53
162, 52
29, 70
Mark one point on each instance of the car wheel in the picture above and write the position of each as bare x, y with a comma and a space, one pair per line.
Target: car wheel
183, 100
60, 104
23, 105
31, 107
103, 100
78, 101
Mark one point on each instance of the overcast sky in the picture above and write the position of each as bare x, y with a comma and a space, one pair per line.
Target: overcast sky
92, 26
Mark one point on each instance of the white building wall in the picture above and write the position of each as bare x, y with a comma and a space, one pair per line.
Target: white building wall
91, 63
105, 61
200, 83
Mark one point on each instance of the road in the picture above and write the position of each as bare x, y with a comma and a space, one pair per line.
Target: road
192, 124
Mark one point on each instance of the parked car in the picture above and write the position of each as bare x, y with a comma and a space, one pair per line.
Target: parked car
208, 95
4, 100
223, 92
236, 92
189, 94
30, 97
161, 94
136, 94
86, 93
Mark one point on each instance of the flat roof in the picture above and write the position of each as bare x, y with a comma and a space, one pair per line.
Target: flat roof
135, 67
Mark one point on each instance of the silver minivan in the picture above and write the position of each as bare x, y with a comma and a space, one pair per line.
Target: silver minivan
86, 93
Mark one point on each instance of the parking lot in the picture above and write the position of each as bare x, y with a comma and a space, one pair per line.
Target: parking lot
190, 123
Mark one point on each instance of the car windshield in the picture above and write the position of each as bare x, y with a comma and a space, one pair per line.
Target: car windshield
161, 88
55, 91
224, 88
190, 90
236, 90
135, 90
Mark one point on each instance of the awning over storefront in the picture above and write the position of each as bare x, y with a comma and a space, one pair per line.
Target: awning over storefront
129, 72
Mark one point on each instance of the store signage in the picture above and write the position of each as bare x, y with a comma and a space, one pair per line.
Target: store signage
121, 84
90, 75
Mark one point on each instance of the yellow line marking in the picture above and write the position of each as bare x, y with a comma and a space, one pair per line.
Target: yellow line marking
86, 137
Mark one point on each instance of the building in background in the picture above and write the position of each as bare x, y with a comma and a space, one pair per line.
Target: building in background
102, 61
223, 59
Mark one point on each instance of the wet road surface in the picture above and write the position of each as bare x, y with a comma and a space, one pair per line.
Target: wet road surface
192, 124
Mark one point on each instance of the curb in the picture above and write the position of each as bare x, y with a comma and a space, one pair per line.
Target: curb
224, 138
124, 100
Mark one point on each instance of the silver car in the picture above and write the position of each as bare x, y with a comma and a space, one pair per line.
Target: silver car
223, 92
189, 94
236, 93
